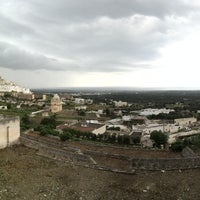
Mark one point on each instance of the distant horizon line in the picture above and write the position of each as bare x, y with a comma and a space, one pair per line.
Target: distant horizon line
117, 88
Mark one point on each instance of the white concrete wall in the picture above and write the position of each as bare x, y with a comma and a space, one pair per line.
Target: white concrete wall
100, 130
9, 131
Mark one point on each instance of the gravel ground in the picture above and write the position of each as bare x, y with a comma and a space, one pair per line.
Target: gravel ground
25, 175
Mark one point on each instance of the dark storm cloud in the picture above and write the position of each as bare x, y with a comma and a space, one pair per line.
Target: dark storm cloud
87, 35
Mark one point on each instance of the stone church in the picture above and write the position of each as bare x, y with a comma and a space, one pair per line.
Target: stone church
56, 104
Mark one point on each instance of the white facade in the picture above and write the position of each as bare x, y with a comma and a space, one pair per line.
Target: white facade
150, 111
80, 107
173, 137
79, 101
120, 103
185, 121
165, 128
3, 108
9, 131
100, 130
89, 101
153, 127
56, 104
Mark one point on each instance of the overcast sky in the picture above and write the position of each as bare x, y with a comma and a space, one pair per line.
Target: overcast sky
78, 43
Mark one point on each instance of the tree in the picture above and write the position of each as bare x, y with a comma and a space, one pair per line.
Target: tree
159, 138
49, 121
81, 112
25, 119
25, 122
9, 106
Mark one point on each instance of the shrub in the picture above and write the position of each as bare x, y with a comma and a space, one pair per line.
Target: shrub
65, 136
178, 146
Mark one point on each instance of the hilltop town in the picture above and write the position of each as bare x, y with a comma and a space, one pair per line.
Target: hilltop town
87, 115
102, 139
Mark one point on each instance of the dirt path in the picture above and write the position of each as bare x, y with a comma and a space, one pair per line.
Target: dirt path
25, 175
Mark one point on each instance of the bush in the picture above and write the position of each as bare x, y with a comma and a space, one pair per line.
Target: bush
178, 146
136, 140
46, 130
65, 136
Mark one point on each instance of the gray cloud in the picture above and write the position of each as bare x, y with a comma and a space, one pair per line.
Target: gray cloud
89, 35
66, 10
15, 58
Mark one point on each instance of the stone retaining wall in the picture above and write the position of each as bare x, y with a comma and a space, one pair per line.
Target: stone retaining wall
166, 164
104, 161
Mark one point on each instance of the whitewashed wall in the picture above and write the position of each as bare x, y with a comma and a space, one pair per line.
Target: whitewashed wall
9, 131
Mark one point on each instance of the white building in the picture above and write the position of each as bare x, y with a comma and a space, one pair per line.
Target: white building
120, 103
9, 131
80, 107
3, 108
165, 128
185, 121
79, 101
151, 111
89, 101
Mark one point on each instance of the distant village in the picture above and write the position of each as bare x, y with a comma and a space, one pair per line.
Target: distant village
111, 121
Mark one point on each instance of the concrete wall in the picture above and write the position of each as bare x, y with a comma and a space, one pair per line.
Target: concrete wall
100, 130
9, 131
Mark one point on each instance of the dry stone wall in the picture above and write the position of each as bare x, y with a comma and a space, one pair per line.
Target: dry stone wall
104, 161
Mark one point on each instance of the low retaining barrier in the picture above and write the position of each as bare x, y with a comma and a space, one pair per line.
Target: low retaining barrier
104, 161
165, 164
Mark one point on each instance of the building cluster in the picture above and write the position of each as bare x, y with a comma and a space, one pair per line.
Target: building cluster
8, 86
97, 118
133, 125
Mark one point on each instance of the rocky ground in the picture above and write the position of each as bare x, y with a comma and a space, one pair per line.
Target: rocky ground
25, 175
